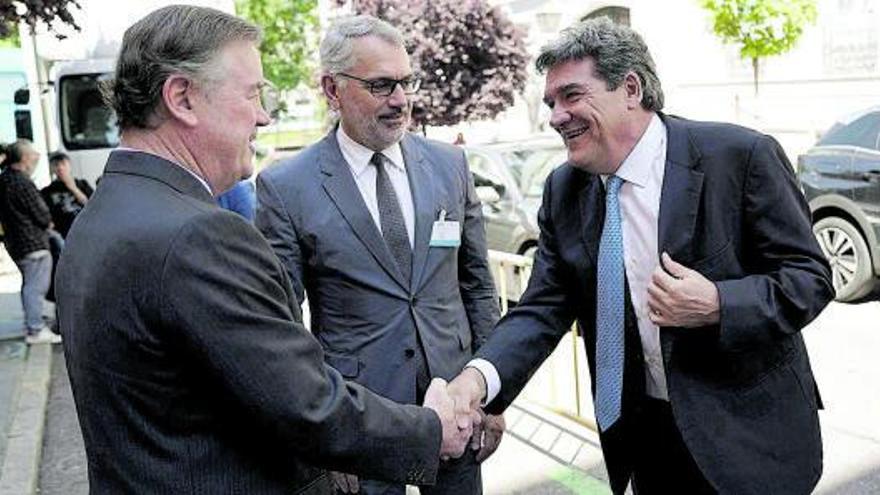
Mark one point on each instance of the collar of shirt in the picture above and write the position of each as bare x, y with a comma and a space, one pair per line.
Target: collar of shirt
637, 165
358, 156
198, 177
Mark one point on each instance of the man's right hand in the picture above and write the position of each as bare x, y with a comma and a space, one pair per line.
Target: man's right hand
457, 428
468, 390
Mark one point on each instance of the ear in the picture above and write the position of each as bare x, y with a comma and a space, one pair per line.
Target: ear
632, 85
177, 96
331, 91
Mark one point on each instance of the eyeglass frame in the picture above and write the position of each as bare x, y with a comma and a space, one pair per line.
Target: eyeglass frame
370, 84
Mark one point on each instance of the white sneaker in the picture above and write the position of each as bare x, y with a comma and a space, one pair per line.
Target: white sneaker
44, 336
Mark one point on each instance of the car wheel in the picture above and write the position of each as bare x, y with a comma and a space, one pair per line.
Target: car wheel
847, 252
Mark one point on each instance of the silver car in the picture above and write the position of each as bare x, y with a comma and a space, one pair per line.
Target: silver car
510, 180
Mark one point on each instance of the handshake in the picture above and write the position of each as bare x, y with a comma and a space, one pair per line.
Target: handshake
464, 423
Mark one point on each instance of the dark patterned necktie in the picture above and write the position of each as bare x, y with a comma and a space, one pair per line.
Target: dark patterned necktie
391, 218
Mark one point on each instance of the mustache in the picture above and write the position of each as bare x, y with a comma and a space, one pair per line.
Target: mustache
392, 114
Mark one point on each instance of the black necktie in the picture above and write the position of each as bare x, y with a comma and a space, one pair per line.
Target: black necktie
391, 218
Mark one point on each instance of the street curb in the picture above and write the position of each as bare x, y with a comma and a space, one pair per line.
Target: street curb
21, 465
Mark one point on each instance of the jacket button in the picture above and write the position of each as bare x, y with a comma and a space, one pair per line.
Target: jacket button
409, 353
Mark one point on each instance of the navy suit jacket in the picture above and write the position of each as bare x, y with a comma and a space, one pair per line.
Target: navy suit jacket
190, 368
742, 392
363, 312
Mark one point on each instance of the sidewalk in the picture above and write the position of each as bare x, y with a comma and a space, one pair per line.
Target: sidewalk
24, 387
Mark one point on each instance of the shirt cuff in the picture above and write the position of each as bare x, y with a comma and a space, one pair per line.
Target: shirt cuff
490, 374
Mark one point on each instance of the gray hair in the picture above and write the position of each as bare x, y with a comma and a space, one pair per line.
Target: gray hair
337, 47
615, 50
179, 39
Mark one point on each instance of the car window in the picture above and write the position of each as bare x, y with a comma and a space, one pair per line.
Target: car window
861, 132
483, 166
536, 170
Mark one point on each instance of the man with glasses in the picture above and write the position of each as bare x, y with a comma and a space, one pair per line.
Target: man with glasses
383, 231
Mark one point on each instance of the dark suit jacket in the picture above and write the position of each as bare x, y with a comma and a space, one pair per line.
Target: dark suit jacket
363, 313
189, 366
742, 392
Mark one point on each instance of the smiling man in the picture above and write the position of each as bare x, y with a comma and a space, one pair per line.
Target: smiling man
684, 252
189, 364
383, 231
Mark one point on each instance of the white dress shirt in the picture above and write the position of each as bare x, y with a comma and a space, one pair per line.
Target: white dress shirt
358, 157
642, 172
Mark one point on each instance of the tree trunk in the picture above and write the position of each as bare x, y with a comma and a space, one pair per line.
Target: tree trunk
755, 73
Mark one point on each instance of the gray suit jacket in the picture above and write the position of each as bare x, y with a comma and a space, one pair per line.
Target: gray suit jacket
363, 313
189, 365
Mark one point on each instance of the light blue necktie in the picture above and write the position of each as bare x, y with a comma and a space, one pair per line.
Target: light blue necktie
610, 311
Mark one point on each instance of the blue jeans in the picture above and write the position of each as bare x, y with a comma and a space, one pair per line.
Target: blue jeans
36, 273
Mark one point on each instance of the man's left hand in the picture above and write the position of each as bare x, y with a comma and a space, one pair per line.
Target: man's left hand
681, 297
487, 437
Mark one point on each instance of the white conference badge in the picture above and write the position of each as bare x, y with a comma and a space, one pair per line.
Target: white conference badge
445, 233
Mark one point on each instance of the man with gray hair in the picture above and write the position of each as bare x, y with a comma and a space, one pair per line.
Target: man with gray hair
685, 253
383, 231
191, 370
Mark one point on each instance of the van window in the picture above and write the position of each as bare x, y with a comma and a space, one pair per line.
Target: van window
86, 123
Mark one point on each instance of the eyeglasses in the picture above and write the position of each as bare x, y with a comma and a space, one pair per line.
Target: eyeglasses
384, 86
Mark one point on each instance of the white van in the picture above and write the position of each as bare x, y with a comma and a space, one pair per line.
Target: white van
87, 129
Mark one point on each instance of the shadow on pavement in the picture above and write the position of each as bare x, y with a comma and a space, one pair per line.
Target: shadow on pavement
63, 468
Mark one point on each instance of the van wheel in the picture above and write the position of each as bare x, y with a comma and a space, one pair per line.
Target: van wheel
847, 252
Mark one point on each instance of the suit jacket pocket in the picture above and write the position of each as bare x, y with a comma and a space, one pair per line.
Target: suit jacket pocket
716, 265
347, 366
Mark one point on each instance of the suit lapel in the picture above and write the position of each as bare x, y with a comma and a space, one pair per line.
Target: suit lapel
592, 208
421, 184
680, 195
344, 193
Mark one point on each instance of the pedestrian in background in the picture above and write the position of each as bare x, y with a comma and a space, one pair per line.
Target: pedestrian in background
26, 223
65, 195
241, 199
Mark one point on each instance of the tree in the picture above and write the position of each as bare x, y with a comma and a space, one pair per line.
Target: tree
761, 28
31, 12
290, 35
471, 58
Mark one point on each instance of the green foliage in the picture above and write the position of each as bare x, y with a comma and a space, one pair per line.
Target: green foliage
761, 28
11, 40
290, 38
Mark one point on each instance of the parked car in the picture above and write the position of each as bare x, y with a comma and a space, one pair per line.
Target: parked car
840, 176
509, 179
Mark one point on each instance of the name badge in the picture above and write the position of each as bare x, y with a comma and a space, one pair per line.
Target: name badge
445, 233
